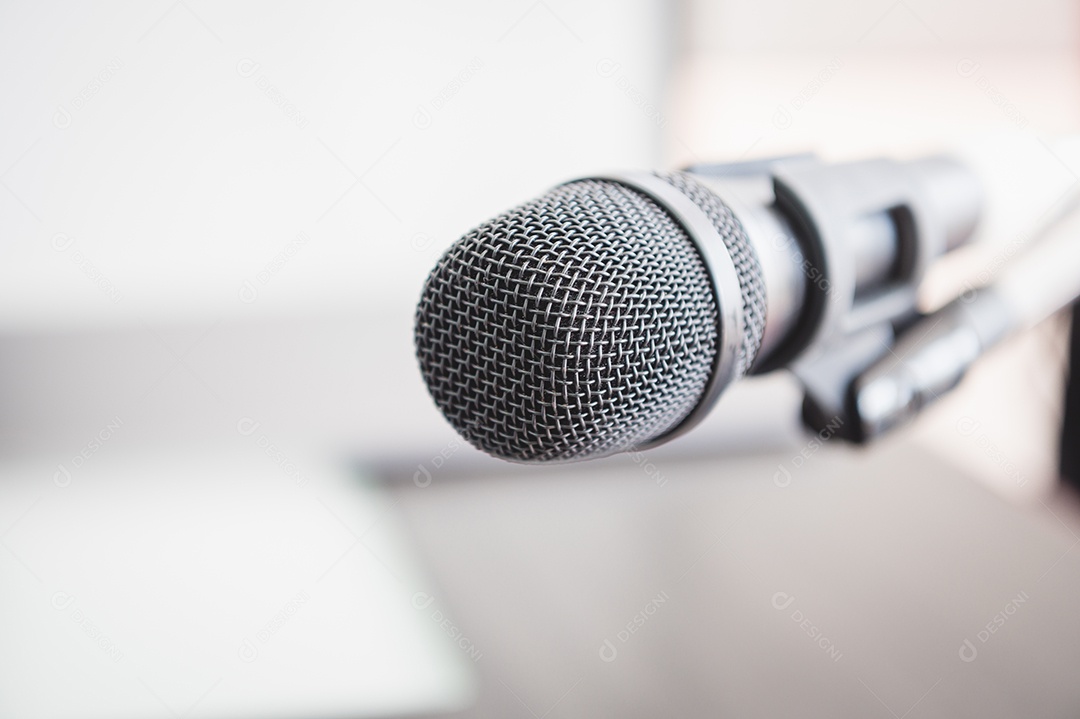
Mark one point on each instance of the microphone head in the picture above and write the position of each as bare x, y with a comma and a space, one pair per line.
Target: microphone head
580, 324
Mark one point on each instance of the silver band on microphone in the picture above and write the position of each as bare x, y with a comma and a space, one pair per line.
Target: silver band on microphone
725, 284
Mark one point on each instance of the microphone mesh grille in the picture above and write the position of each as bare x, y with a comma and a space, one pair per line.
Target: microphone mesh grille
751, 282
577, 325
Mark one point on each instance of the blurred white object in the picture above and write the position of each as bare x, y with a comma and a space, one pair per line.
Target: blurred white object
214, 585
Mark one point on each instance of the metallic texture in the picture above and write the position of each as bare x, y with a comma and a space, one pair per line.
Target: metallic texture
930, 358
751, 282
580, 324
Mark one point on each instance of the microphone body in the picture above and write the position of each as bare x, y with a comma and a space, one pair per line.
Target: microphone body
612, 313
936, 351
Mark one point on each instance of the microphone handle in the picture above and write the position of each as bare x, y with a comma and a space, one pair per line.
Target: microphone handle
840, 250
842, 246
936, 352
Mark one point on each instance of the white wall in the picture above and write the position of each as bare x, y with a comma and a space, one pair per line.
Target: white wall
181, 147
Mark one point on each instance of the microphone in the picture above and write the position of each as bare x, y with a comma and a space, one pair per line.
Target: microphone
610, 313
936, 351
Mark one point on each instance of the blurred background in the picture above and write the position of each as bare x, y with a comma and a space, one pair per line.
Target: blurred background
224, 491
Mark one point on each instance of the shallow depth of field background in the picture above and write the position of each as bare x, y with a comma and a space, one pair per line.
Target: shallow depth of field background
224, 491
